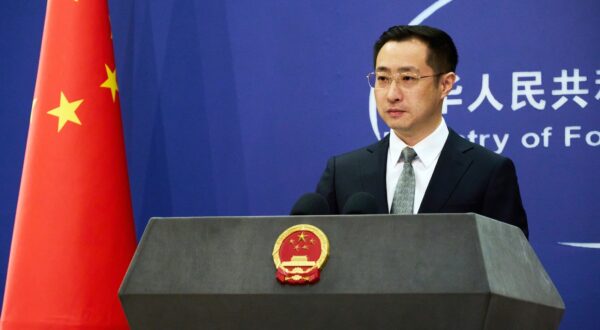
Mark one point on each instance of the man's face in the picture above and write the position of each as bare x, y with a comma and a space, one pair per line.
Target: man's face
412, 112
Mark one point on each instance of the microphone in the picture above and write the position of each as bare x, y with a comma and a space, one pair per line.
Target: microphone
310, 204
360, 203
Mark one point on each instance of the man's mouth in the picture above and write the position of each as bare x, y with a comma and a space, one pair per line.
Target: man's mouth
395, 112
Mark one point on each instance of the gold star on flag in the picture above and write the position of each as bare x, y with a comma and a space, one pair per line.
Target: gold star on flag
66, 111
111, 81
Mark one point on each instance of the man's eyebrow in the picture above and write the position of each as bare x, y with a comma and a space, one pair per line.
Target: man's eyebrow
400, 69
408, 68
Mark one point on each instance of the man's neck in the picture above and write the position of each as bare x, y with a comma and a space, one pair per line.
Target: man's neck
412, 139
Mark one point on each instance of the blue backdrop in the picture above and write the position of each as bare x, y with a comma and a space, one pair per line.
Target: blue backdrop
233, 107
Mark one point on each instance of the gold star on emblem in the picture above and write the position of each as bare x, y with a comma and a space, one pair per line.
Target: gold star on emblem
302, 237
111, 81
66, 111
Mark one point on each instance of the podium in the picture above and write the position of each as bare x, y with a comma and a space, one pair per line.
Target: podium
438, 271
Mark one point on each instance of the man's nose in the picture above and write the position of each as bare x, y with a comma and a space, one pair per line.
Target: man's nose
394, 93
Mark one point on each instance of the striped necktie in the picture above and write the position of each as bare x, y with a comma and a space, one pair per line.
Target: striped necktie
404, 195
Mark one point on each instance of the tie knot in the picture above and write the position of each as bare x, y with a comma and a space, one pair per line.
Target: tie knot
408, 154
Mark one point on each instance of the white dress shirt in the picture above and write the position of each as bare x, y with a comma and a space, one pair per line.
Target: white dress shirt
428, 152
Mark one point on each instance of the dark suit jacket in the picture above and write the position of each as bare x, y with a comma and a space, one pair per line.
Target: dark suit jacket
467, 178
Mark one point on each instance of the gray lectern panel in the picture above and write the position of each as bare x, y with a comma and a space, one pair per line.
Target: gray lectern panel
508, 259
375, 254
315, 311
384, 271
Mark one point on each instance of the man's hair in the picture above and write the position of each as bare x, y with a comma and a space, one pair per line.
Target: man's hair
442, 55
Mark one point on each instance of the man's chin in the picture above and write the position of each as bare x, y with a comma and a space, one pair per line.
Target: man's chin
398, 125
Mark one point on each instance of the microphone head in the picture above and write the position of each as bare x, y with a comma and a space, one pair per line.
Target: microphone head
360, 203
310, 204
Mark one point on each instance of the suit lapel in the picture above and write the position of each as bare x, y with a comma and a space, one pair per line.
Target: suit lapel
450, 168
373, 173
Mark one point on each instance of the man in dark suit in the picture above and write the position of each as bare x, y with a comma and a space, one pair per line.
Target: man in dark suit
422, 166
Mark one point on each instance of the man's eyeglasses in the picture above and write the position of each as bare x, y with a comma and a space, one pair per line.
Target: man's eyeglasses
383, 80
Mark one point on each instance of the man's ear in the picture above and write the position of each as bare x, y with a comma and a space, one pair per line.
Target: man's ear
447, 81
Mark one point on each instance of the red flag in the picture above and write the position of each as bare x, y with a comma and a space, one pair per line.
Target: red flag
73, 235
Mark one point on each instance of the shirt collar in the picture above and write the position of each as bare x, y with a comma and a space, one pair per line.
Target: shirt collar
427, 149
